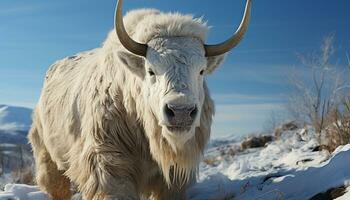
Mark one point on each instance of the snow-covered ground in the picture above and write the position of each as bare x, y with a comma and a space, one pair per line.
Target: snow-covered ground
285, 169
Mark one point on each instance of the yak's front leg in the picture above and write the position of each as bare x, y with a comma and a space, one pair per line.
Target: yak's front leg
105, 177
109, 188
160, 190
122, 191
104, 186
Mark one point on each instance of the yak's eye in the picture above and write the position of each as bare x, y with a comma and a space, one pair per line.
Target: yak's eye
151, 73
202, 72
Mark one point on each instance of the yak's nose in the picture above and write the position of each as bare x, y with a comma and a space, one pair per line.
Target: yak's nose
180, 115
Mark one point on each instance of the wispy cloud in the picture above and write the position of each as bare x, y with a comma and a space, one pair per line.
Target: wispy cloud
241, 119
27, 8
244, 113
274, 50
18, 8
270, 74
229, 98
27, 104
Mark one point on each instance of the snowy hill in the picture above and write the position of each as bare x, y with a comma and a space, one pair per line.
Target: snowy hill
291, 168
286, 169
14, 124
15, 118
13, 137
218, 142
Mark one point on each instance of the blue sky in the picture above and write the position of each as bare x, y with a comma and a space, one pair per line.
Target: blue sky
248, 86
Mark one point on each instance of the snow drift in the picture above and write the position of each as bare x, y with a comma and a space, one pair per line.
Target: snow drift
285, 169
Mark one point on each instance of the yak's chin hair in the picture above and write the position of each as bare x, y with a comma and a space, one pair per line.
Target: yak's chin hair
178, 139
180, 156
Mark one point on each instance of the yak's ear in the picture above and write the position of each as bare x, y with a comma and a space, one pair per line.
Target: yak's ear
213, 62
135, 64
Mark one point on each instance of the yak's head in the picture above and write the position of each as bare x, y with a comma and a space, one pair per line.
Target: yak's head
173, 71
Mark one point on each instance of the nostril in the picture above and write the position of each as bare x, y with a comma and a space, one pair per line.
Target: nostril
194, 112
169, 112
180, 113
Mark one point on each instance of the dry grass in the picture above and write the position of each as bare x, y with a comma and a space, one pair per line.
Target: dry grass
338, 132
212, 161
256, 141
332, 193
18, 161
24, 176
289, 126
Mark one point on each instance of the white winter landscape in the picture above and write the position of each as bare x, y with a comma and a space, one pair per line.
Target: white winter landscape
289, 168
123, 108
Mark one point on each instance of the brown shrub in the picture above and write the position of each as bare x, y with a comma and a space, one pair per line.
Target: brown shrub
289, 126
332, 193
24, 176
256, 142
338, 132
211, 161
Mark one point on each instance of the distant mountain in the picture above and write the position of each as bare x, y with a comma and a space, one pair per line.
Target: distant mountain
222, 141
13, 137
14, 124
15, 118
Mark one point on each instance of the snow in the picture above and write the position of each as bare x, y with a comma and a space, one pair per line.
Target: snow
285, 169
22, 192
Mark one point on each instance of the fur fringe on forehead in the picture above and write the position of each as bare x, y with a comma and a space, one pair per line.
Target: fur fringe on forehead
144, 25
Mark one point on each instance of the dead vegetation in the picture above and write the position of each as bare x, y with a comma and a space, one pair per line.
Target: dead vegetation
282, 129
23, 176
321, 96
16, 160
256, 141
211, 161
338, 132
332, 193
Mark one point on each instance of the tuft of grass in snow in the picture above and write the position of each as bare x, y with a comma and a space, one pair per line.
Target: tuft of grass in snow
338, 132
24, 175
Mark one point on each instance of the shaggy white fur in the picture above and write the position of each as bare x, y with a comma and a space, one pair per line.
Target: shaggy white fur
97, 122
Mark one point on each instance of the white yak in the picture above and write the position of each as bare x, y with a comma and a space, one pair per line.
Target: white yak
129, 120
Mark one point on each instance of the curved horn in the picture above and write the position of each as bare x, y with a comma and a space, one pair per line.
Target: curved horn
218, 49
127, 42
